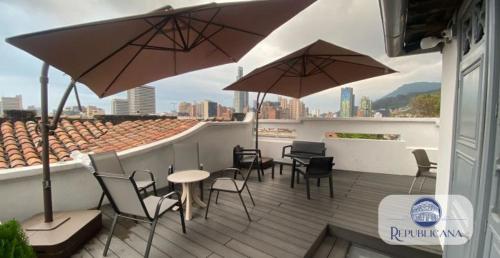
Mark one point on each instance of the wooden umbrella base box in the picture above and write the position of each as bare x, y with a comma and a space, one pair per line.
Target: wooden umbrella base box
65, 235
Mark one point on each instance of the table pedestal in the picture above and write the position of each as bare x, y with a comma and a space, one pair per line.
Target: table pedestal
188, 197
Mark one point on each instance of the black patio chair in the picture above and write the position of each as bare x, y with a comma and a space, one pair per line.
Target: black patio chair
318, 167
424, 168
243, 158
301, 149
110, 163
233, 185
125, 198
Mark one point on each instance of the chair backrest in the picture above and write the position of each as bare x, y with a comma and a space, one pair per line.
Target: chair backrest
422, 159
320, 166
107, 162
186, 156
237, 156
123, 194
250, 168
315, 148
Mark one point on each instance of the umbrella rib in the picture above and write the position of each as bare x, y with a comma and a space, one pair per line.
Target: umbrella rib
207, 37
322, 64
231, 27
215, 45
180, 33
165, 21
115, 52
326, 74
281, 77
164, 34
353, 63
207, 23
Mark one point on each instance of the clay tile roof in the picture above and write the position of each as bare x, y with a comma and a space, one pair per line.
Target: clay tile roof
20, 141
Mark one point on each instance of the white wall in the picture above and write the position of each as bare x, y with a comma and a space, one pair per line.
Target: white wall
74, 187
448, 95
376, 156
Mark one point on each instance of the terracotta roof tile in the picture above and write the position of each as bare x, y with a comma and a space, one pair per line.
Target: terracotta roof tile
20, 141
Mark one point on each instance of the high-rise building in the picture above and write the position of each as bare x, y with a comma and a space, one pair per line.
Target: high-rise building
346, 102
184, 109
209, 109
240, 97
93, 110
119, 107
365, 107
142, 100
11, 103
297, 109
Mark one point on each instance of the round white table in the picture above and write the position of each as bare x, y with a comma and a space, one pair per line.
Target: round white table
187, 178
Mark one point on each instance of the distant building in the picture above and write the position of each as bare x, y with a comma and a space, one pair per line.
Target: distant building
224, 113
184, 109
142, 100
270, 110
91, 111
297, 109
119, 107
346, 102
209, 109
365, 107
11, 103
240, 97
73, 111
37, 110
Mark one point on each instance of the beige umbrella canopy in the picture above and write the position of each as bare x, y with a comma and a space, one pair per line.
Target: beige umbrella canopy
312, 69
115, 55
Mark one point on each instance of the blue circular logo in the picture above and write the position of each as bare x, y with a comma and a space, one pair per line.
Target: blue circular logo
426, 212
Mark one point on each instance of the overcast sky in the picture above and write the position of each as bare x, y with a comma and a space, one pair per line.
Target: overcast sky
354, 24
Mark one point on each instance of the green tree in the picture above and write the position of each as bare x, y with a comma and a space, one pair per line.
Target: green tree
13, 241
426, 105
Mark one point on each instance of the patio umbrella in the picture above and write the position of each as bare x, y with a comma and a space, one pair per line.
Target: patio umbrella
115, 55
119, 54
314, 68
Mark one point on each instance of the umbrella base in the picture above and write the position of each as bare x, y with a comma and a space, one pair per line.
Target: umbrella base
65, 235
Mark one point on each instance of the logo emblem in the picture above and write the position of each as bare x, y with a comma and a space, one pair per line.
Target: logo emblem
426, 212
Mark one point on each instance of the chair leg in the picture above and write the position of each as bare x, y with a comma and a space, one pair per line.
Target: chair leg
259, 170
272, 172
319, 182
217, 198
113, 225
150, 239
412, 184
281, 169
251, 197
244, 206
421, 184
298, 178
208, 203
331, 186
100, 201
183, 221
308, 188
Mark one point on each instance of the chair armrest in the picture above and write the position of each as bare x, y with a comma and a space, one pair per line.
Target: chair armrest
145, 171
300, 161
201, 166
158, 206
225, 178
284, 150
234, 170
433, 163
253, 150
171, 169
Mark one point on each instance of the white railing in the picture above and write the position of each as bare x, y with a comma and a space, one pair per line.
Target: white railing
376, 156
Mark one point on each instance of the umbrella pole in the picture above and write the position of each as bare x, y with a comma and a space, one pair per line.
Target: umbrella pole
259, 106
45, 128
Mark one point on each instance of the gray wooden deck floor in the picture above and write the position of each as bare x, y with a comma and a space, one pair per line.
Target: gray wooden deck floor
285, 223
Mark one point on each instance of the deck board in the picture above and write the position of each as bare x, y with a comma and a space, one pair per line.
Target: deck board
284, 223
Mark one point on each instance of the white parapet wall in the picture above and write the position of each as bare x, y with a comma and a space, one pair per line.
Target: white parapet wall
375, 156
74, 187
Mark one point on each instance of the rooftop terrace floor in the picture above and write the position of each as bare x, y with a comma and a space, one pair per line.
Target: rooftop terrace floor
285, 223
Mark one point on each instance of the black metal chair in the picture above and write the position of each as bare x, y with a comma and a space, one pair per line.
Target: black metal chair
233, 185
424, 168
125, 198
318, 167
301, 149
110, 163
186, 157
242, 158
